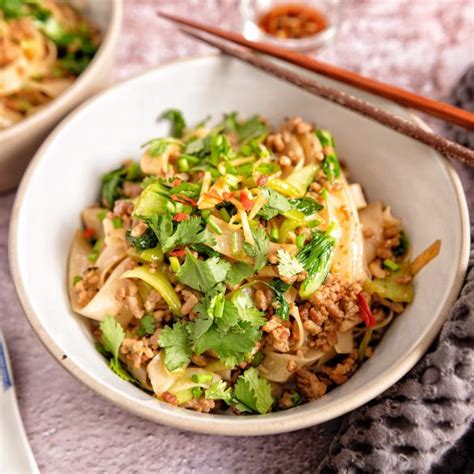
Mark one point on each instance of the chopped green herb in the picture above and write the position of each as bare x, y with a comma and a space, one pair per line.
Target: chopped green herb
197, 392
331, 166
202, 275
202, 378
238, 272
111, 339
147, 326
260, 249
177, 346
117, 222
283, 308
391, 265
219, 391
402, 248
288, 266
178, 124
76, 280
147, 240
253, 393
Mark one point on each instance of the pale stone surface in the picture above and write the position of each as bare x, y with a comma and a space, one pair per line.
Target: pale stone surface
423, 46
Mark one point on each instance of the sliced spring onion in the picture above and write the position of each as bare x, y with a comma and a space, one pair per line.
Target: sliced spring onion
391, 265
175, 265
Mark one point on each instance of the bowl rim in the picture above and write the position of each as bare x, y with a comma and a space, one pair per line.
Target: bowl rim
63, 101
257, 425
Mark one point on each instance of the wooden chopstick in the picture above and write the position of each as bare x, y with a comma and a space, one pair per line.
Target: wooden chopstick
444, 146
432, 107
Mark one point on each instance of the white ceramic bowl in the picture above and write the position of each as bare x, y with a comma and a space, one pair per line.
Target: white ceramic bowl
19, 142
420, 185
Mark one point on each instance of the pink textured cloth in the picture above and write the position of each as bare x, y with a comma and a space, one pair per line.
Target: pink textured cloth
423, 46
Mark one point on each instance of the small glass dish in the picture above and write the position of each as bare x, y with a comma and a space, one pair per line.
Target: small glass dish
253, 10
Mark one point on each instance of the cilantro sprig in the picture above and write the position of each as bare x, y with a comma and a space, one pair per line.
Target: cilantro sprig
112, 336
253, 393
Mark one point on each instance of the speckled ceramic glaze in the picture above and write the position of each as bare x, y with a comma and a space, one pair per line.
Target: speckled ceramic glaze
419, 184
20, 142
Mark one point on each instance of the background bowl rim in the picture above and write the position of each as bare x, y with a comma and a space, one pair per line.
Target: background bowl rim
256, 425
64, 100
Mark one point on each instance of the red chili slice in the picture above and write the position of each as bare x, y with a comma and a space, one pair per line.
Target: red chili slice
365, 312
176, 182
178, 253
183, 199
246, 202
88, 233
180, 217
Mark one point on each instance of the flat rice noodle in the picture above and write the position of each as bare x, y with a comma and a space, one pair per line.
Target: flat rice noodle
345, 342
91, 221
372, 220
185, 382
217, 367
115, 249
311, 147
348, 259
161, 380
112, 236
139, 373
357, 195
104, 302
275, 365
108, 259
295, 314
78, 264
223, 243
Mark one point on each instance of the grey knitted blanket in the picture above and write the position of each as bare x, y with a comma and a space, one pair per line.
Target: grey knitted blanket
423, 423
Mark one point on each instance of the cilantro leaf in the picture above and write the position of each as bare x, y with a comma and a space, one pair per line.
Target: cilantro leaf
276, 203
116, 367
238, 272
178, 124
279, 287
253, 393
175, 341
147, 326
231, 346
187, 232
243, 302
112, 182
209, 308
246, 130
219, 391
112, 335
260, 249
111, 339
306, 205
288, 266
202, 275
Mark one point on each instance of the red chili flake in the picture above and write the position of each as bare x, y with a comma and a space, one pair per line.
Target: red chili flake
178, 253
262, 180
228, 196
88, 233
176, 182
183, 199
246, 202
180, 217
365, 312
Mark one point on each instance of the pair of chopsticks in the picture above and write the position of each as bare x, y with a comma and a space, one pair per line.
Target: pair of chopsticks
437, 109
